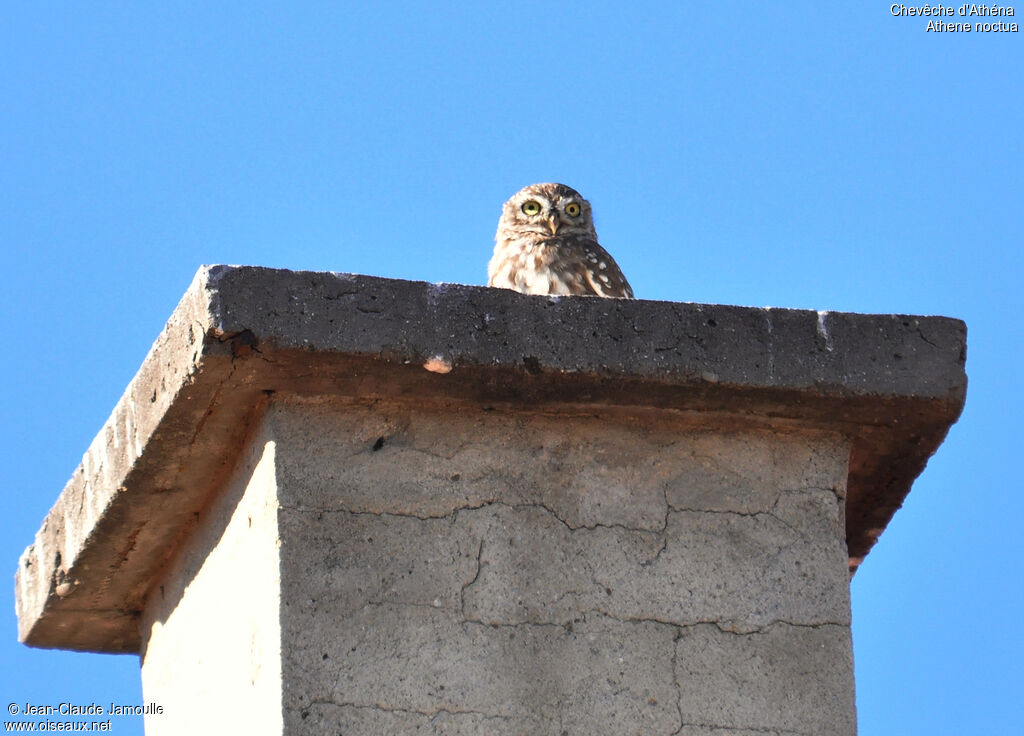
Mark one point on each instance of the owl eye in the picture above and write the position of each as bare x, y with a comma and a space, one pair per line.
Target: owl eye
572, 209
531, 208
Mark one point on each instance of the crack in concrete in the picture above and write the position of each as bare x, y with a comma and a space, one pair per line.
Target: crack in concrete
764, 629
743, 729
770, 512
575, 592
824, 489
657, 555
484, 503
580, 527
744, 514
724, 627
433, 713
476, 576
920, 333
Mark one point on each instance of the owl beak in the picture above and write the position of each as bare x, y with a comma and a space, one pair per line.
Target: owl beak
553, 224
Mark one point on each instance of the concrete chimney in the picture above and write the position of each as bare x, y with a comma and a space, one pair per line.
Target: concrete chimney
341, 504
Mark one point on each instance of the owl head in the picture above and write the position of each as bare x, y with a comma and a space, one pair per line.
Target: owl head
546, 211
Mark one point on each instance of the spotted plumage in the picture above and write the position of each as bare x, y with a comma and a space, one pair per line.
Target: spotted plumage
546, 244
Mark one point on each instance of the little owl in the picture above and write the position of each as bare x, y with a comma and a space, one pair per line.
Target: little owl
546, 244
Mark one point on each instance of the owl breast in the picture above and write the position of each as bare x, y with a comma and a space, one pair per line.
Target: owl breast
573, 265
530, 267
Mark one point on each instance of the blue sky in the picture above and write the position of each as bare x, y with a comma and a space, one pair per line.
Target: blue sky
810, 155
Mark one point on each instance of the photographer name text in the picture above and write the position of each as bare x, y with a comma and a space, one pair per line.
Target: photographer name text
92, 709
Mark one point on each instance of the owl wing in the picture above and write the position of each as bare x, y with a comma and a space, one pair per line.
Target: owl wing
600, 272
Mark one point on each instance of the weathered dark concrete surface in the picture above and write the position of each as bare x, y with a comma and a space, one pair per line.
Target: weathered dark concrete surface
892, 384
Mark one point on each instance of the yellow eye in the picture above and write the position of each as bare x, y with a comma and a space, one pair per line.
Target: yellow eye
531, 208
572, 209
